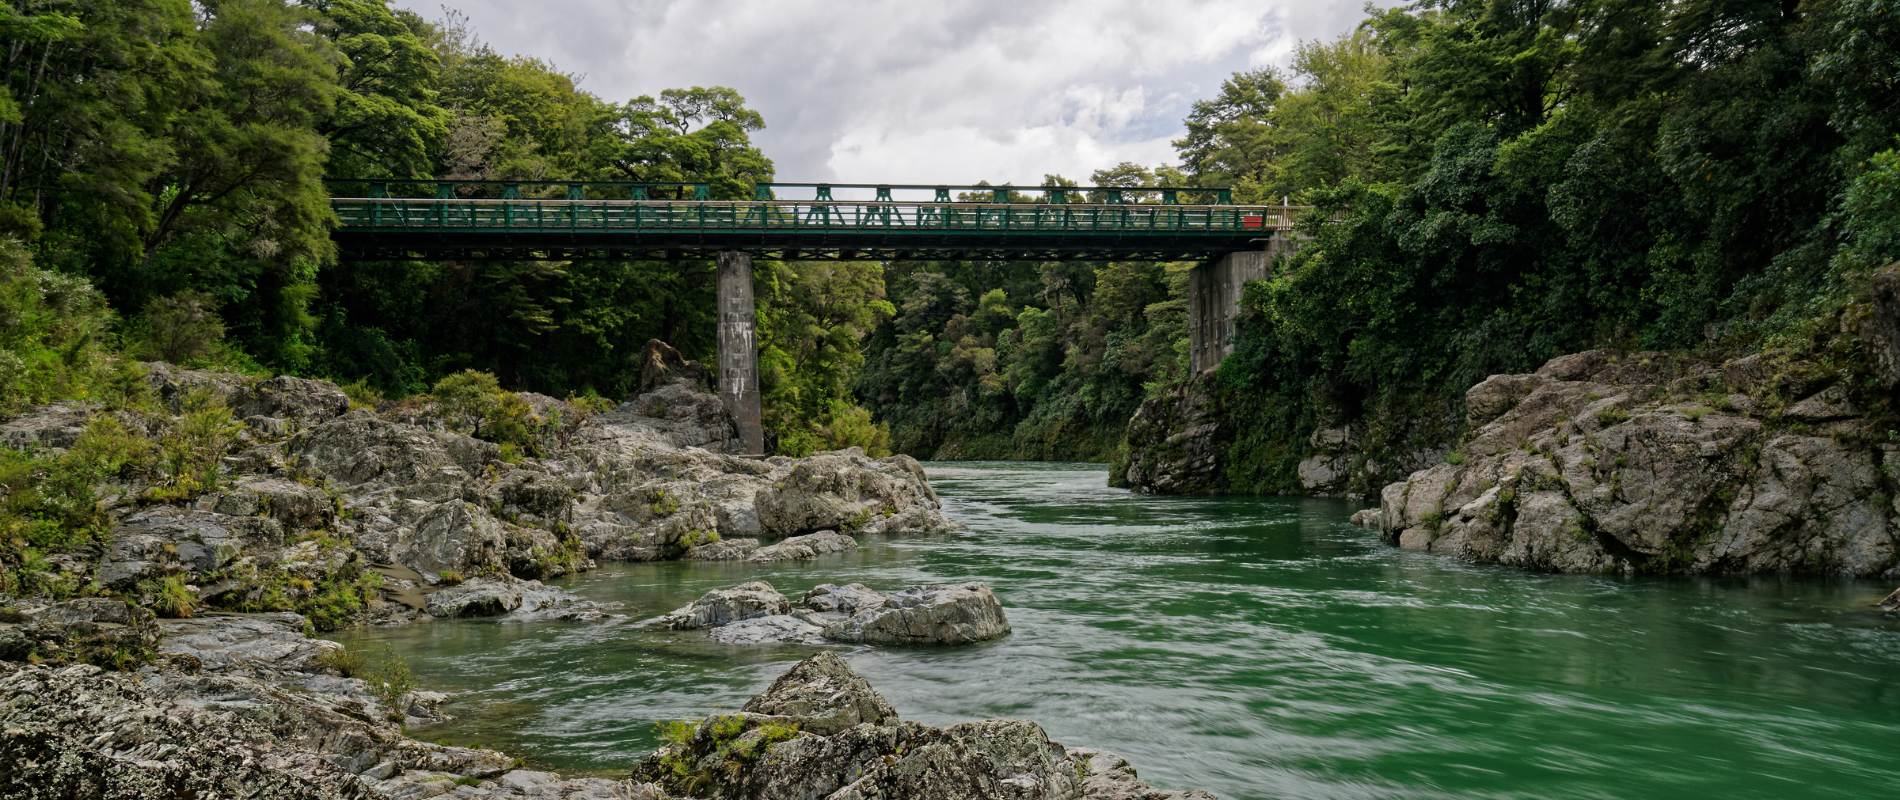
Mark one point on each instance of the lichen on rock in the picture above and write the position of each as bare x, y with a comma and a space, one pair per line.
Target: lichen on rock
1660, 463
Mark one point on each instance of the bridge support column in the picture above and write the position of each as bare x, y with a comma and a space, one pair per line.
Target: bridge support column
1214, 299
739, 350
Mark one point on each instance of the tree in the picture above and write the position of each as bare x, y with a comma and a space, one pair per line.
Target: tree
697, 134
387, 121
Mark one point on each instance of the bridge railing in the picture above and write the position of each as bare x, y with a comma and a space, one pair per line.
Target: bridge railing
523, 213
447, 189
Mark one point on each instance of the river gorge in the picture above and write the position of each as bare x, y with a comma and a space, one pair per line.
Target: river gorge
1255, 648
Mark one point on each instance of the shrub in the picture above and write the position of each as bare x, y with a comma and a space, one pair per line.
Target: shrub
339, 599
390, 679
193, 447
1613, 415
169, 597
347, 663
474, 403
363, 395
182, 328
48, 504
53, 331
851, 426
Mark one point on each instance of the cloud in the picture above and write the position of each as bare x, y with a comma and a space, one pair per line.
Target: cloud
1000, 90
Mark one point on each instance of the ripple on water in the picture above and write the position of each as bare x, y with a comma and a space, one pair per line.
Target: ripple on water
1255, 647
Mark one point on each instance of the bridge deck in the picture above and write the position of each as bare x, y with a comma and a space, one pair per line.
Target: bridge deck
455, 227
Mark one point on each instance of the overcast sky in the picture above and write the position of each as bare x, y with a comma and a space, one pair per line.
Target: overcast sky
922, 91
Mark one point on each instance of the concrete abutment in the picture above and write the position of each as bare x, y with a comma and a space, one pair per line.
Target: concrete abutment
1214, 290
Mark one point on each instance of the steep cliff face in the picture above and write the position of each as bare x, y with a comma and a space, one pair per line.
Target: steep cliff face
1659, 463
1183, 441
1175, 443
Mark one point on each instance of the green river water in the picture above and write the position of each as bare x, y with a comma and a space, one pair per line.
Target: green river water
1257, 648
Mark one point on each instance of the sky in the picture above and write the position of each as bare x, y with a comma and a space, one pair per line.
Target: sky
922, 91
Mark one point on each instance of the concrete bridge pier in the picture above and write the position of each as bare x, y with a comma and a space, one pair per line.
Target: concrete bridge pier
739, 350
1214, 291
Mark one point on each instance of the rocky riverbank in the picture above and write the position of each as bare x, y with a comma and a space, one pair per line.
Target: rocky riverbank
250, 705
1661, 463
308, 502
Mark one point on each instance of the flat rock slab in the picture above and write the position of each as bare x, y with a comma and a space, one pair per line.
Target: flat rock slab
802, 548
225, 641
478, 597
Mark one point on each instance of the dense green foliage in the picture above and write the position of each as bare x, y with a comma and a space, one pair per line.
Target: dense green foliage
1026, 360
1532, 178
1498, 181
174, 153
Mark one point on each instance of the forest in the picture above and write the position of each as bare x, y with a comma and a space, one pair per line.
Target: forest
1495, 182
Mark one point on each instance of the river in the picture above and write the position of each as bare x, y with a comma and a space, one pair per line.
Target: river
1257, 648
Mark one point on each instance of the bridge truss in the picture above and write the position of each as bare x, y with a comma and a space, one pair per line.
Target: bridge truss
386, 220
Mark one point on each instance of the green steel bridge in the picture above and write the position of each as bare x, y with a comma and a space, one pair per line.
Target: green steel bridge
395, 220
407, 219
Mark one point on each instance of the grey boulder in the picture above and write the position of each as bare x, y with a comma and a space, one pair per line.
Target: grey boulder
726, 606
926, 615
478, 597
805, 548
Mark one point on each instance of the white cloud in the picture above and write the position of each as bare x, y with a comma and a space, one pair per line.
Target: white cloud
1002, 90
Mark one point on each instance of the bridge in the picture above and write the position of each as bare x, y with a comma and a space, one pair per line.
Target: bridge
565, 220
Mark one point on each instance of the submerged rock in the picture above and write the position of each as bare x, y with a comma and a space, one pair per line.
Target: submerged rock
821, 731
802, 548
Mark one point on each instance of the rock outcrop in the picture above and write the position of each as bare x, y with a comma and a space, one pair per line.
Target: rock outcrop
1175, 443
244, 705
1659, 463
756, 613
315, 498
92, 630
821, 731
250, 705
